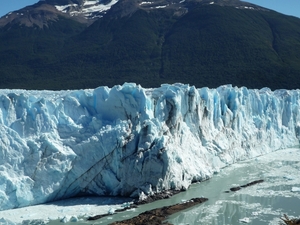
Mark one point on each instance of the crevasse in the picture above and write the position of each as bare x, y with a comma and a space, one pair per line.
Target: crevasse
132, 141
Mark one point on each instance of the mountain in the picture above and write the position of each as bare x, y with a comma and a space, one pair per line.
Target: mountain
74, 44
132, 141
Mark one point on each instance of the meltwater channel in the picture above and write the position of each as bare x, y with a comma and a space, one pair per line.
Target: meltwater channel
260, 204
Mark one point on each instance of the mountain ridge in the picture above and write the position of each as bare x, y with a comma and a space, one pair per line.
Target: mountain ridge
85, 10
203, 44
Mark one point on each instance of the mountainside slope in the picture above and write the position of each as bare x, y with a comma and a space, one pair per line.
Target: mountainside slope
198, 43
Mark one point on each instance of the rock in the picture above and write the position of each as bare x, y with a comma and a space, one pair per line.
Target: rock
246, 185
289, 221
235, 188
157, 216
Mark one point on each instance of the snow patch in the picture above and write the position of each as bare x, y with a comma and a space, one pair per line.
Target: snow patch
89, 9
146, 3
63, 8
161, 6
86, 3
245, 7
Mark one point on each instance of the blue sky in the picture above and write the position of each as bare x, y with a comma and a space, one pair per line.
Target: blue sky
288, 7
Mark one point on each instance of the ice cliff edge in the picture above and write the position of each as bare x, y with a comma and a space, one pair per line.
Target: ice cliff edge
128, 140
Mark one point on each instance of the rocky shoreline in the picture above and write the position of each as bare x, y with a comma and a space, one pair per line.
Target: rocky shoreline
136, 203
159, 215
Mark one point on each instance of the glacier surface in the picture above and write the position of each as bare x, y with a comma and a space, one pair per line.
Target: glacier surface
132, 141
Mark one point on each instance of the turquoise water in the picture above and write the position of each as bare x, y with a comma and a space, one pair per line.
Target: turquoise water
263, 203
260, 204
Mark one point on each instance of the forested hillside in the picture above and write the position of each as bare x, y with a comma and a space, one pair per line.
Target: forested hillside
209, 45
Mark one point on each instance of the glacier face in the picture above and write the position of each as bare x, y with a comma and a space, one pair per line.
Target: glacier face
132, 141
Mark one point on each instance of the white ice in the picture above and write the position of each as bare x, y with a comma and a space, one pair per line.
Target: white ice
245, 220
70, 210
130, 141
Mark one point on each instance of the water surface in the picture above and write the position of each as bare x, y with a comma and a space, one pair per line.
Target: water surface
260, 204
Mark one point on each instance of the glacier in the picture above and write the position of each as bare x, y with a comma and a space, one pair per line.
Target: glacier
131, 141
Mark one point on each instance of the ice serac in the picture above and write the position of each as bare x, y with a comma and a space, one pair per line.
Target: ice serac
132, 141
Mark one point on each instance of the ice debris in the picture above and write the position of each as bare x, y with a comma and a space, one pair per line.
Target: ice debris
295, 189
244, 220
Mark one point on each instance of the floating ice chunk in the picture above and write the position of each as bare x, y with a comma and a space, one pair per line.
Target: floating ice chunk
126, 205
111, 211
74, 219
244, 220
289, 177
32, 222
295, 189
66, 219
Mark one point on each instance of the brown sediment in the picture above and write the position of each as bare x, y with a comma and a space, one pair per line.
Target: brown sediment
149, 199
158, 196
246, 185
158, 216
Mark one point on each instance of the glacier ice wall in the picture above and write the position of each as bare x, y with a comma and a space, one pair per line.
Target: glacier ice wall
133, 141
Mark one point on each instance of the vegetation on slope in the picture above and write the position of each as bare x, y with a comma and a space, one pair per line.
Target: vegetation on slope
208, 46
